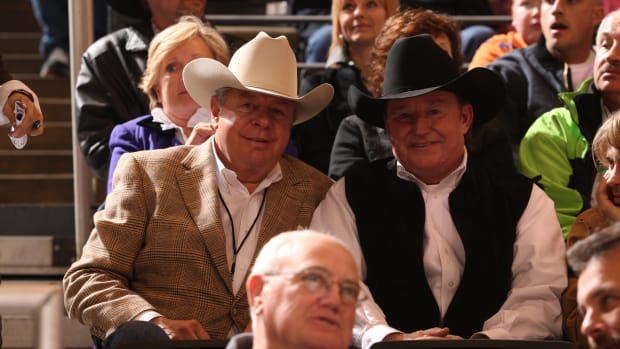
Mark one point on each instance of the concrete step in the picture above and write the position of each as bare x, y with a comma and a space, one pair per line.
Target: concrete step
46, 87
41, 188
33, 316
38, 220
56, 109
19, 42
17, 16
20, 63
28, 161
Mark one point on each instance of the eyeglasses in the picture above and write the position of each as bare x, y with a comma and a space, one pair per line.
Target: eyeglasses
317, 279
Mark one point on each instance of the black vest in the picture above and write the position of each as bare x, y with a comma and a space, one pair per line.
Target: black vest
485, 208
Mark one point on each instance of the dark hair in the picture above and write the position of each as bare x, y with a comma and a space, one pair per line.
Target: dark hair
409, 23
595, 245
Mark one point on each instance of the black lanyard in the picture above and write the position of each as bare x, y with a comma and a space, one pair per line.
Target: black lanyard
232, 225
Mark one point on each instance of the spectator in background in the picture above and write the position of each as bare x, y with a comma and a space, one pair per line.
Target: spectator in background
175, 117
596, 259
303, 291
357, 23
53, 18
606, 153
316, 36
107, 88
358, 141
555, 151
15, 90
526, 31
560, 61
472, 35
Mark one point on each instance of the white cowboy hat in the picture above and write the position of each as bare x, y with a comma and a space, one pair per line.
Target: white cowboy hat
264, 64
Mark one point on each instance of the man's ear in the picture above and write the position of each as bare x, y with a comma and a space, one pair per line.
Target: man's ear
467, 116
254, 289
215, 110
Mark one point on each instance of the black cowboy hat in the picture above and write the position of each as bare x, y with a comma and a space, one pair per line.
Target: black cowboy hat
415, 66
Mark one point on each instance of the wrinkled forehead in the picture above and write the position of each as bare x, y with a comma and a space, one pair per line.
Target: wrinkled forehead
610, 26
329, 256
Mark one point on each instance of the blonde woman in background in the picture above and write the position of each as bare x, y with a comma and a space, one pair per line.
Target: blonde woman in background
175, 117
356, 24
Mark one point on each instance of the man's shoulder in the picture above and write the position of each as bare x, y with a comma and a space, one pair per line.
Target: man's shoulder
519, 59
165, 157
554, 122
125, 39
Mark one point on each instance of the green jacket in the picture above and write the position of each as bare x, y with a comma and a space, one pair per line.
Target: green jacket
555, 152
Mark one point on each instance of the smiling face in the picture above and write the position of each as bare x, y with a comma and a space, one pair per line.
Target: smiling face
612, 175
293, 316
171, 93
252, 132
598, 298
607, 60
361, 21
568, 27
526, 19
428, 133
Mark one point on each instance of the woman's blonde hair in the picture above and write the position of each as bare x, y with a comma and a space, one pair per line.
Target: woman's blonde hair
390, 6
608, 135
172, 37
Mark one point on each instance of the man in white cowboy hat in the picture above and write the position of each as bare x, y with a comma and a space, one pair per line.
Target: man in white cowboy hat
449, 244
182, 226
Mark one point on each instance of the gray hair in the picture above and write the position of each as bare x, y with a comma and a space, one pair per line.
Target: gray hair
592, 247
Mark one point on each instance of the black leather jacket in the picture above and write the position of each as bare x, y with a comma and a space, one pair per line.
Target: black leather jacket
107, 90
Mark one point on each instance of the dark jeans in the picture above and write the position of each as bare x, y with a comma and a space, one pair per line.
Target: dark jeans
53, 18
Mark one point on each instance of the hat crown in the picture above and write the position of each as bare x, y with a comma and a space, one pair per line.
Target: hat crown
417, 63
266, 63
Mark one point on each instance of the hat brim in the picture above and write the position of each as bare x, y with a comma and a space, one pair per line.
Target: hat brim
203, 76
482, 87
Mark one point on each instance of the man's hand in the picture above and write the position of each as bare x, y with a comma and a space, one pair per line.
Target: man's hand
604, 201
32, 124
200, 133
181, 329
435, 333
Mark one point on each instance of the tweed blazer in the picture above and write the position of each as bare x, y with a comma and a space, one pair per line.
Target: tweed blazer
159, 243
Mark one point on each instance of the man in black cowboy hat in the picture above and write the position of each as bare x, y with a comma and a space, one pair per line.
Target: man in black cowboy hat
107, 91
449, 244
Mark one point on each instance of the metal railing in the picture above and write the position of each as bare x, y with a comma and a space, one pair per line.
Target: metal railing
287, 19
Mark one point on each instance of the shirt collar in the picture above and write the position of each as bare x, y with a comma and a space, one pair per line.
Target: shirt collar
201, 115
448, 183
227, 179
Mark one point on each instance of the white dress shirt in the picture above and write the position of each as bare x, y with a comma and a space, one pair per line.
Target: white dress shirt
532, 309
200, 115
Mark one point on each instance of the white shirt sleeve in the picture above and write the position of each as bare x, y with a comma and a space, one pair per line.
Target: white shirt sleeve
335, 217
5, 91
532, 309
